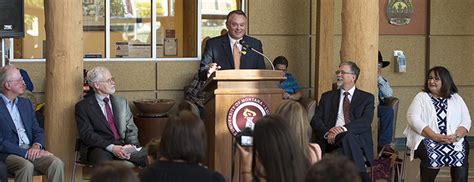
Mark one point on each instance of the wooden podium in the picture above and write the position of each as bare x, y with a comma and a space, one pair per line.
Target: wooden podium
231, 88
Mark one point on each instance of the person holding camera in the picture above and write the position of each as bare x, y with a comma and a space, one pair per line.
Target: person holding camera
277, 157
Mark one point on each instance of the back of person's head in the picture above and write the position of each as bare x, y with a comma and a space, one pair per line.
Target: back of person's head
274, 146
113, 171
184, 138
296, 115
280, 60
333, 168
188, 106
153, 148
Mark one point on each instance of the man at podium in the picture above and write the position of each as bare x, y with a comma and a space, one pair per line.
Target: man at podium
232, 50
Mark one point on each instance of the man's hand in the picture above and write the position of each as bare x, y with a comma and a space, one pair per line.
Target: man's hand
34, 153
333, 132
213, 67
117, 151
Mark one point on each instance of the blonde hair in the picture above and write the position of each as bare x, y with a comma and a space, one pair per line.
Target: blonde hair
297, 117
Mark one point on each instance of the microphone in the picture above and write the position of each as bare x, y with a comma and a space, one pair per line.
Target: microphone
244, 44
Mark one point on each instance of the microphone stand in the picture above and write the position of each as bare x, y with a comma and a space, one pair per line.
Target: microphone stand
244, 44
266, 58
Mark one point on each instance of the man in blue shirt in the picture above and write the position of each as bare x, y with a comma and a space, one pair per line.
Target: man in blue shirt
385, 113
291, 87
22, 146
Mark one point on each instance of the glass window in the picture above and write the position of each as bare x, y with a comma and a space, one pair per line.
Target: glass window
214, 14
132, 30
31, 46
93, 13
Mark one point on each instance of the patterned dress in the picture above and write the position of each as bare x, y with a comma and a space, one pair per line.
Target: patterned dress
440, 155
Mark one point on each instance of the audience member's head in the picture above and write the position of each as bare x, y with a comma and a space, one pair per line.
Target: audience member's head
223, 31
280, 63
188, 106
101, 81
184, 138
439, 82
113, 171
153, 148
297, 116
236, 24
277, 156
204, 43
333, 168
347, 74
12, 83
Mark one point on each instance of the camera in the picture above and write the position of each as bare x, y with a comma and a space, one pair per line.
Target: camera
245, 138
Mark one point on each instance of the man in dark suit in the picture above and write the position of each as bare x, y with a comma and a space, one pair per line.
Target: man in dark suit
105, 122
225, 51
22, 140
342, 121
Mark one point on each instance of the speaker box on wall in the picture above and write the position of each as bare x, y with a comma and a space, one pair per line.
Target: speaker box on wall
11, 19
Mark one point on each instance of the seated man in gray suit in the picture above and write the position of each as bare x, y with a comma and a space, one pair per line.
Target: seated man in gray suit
342, 121
21, 139
105, 122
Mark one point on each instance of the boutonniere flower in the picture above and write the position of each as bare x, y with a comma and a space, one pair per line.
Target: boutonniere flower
244, 52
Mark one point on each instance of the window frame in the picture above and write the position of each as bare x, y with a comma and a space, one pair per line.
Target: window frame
241, 3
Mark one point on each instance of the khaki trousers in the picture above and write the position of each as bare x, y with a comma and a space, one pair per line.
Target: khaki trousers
23, 169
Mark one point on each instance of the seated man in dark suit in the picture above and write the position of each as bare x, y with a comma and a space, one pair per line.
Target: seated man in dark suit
105, 122
342, 121
22, 140
226, 52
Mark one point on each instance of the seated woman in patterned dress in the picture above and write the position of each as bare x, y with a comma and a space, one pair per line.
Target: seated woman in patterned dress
438, 121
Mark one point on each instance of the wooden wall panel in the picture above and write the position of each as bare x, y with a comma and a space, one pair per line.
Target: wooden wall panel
457, 54
295, 49
279, 17
453, 17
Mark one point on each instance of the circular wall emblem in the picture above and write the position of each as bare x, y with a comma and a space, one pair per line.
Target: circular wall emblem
244, 113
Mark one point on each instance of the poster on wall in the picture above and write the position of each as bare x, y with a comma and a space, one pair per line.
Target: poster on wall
170, 47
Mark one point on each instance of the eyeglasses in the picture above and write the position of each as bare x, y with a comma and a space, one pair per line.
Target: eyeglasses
109, 81
17, 80
434, 78
343, 72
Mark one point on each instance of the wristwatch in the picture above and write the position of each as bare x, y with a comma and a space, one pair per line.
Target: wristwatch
457, 137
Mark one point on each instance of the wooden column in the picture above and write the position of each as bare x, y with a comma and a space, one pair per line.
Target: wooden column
64, 51
324, 47
360, 36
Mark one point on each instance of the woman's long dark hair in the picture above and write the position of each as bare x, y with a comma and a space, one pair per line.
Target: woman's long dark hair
447, 84
276, 148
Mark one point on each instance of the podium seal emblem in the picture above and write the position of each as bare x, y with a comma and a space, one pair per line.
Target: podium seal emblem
244, 112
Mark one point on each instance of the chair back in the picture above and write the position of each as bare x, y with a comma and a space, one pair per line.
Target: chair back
310, 106
393, 103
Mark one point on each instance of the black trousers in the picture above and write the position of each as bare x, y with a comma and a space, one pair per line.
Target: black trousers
427, 174
98, 155
3, 172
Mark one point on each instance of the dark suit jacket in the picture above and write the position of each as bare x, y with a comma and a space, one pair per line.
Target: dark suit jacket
9, 135
359, 129
218, 51
94, 130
